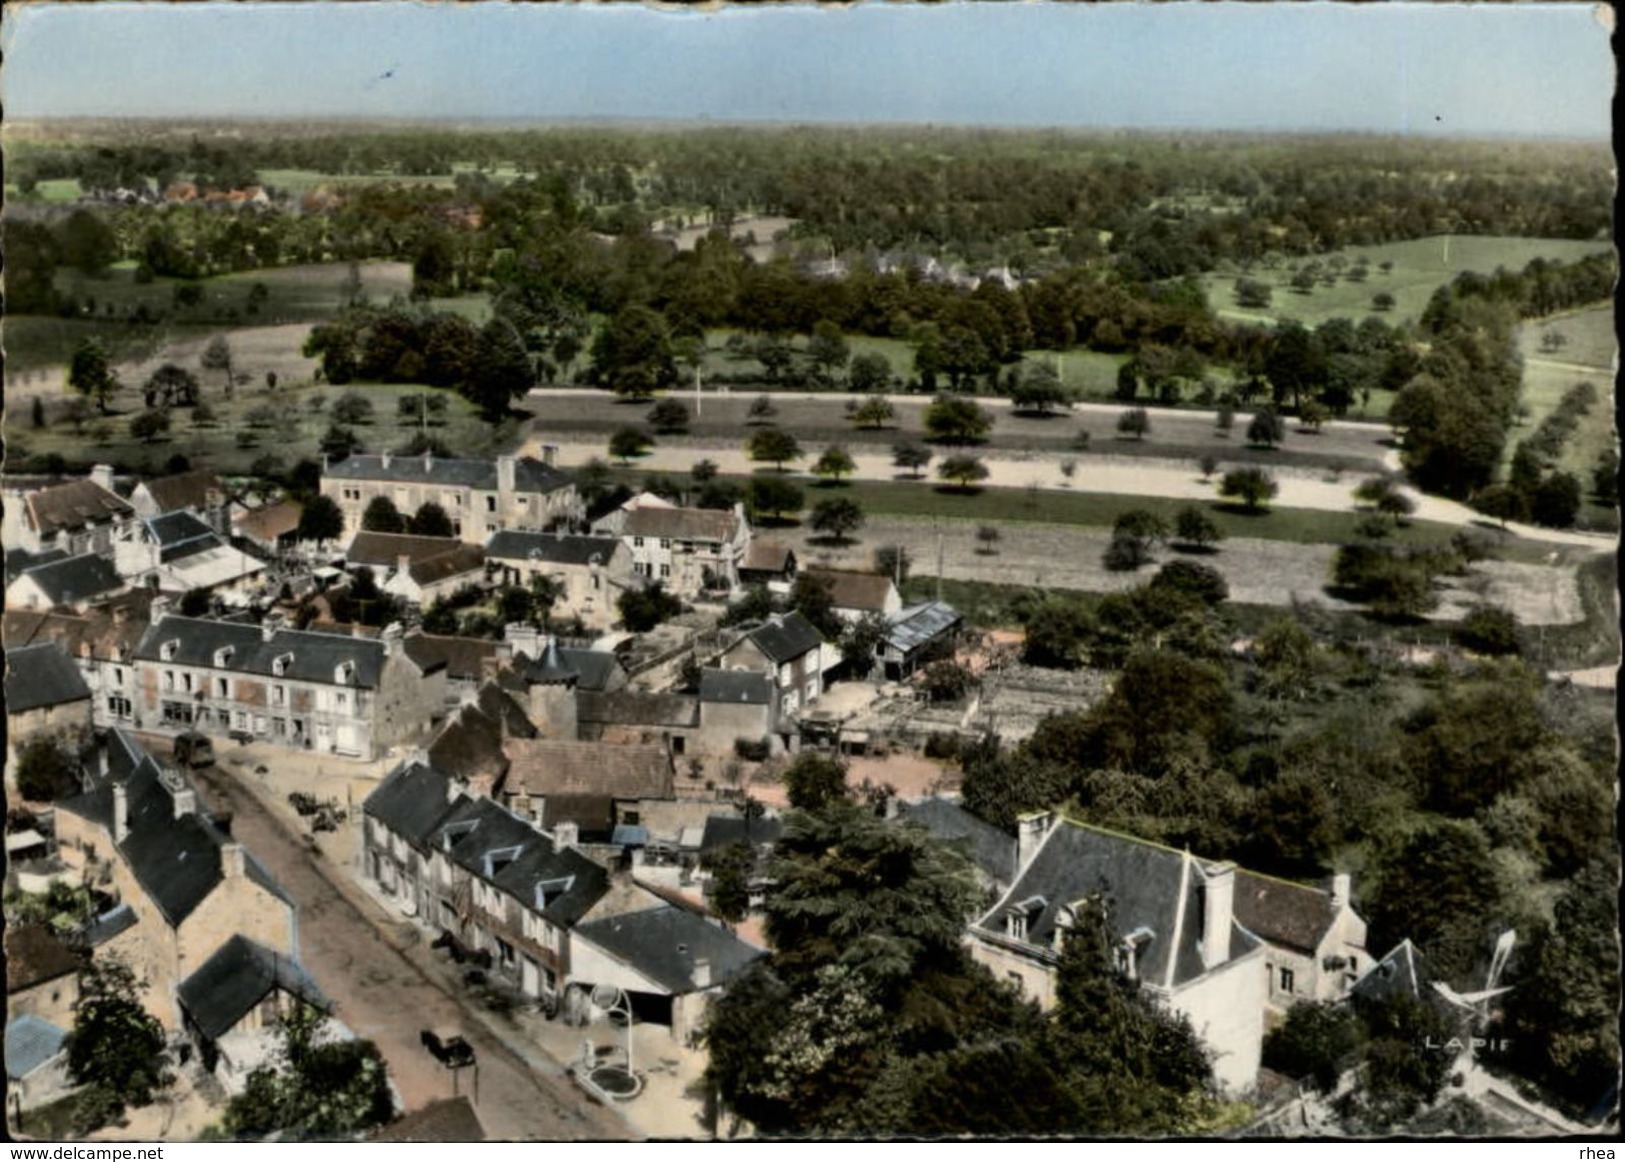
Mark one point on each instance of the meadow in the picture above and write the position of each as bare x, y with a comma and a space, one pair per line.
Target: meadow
1419, 268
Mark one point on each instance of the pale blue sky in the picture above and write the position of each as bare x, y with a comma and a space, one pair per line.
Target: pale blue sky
1523, 69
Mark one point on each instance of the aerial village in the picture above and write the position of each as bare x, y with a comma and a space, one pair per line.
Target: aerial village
577, 634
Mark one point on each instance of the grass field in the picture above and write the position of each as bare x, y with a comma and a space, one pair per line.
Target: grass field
302, 181
1420, 267
295, 433
53, 191
1589, 339
295, 294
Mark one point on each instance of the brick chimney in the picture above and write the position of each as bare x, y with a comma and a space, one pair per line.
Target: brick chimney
1031, 830
121, 812
1218, 912
233, 863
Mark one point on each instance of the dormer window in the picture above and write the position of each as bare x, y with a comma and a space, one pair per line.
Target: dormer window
496, 860
548, 891
280, 664
168, 650
1021, 918
344, 673
222, 656
1127, 954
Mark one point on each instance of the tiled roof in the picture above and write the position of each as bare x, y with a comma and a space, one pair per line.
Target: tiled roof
736, 687
463, 657
386, 549
554, 549
767, 557
547, 766
849, 589
93, 633
908, 629
1144, 882
451, 1119
42, 675
682, 524
311, 657
271, 521
469, 746
185, 490
1292, 915
72, 579
989, 848
786, 637
664, 944
30, 1042
73, 505
34, 955
241, 974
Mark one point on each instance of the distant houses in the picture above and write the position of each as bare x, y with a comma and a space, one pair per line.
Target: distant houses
480, 497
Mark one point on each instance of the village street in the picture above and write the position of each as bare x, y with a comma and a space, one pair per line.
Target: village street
355, 952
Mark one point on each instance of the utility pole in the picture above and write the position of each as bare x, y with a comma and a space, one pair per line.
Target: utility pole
939, 565
697, 389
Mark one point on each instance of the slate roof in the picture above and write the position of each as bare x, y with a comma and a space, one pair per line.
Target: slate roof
551, 667
314, 657
909, 629
20, 560
1143, 882
595, 669
108, 925
549, 766
989, 848
463, 657
1291, 915
42, 675
786, 637
34, 955
1402, 972
73, 505
736, 687
555, 549
30, 1042
451, 1119
516, 858
175, 860
185, 490
411, 800
72, 579
241, 974
664, 943
682, 524
849, 589
180, 534
530, 475
634, 708
723, 830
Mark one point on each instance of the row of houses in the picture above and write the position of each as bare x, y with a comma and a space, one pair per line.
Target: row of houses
210, 933
551, 919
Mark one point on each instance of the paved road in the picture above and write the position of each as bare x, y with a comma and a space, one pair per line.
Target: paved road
382, 995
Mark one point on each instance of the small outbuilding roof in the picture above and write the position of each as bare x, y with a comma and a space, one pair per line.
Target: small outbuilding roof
42, 675
736, 687
31, 1042
667, 944
240, 975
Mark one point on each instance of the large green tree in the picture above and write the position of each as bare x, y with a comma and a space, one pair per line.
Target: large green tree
632, 355
115, 1045
317, 1088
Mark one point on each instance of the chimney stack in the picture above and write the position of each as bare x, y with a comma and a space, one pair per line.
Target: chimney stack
506, 466
702, 973
566, 834
159, 609
1342, 887
267, 630
403, 562
184, 798
383, 461
102, 475
1030, 832
233, 863
550, 454
1218, 912
121, 812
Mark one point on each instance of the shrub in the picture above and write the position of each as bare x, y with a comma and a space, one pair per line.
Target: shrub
753, 750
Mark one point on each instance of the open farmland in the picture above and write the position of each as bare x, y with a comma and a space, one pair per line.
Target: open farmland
1420, 267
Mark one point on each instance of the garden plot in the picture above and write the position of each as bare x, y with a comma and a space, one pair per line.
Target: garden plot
1536, 594
1018, 698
